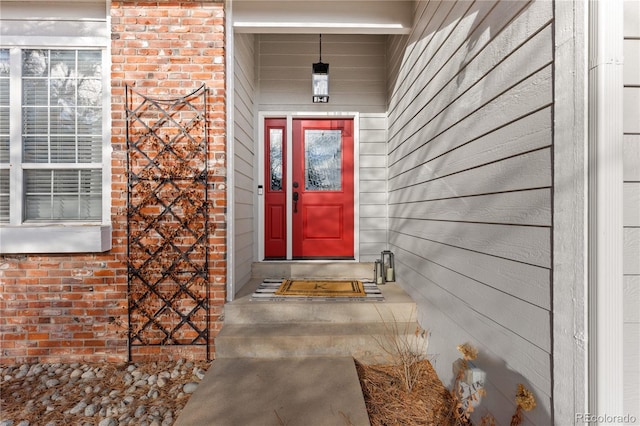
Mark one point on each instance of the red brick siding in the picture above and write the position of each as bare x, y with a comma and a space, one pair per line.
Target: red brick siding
67, 308
63, 307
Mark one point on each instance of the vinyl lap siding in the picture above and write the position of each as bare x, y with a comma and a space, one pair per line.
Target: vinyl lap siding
244, 153
373, 186
631, 221
356, 72
470, 184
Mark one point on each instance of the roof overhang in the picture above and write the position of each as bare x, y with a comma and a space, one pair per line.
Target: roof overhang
333, 16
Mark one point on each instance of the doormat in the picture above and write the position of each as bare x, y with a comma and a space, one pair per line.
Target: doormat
267, 291
318, 288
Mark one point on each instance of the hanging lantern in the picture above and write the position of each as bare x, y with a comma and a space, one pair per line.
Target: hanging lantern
320, 80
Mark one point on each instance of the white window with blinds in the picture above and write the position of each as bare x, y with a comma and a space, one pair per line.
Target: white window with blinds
55, 180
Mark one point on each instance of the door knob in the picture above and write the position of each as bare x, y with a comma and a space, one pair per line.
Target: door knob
295, 201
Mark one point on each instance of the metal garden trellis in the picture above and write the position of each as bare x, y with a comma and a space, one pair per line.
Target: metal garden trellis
167, 220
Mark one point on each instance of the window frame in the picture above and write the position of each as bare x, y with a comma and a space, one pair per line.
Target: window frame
18, 236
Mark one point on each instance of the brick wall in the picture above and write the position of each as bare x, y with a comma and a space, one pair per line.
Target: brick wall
74, 307
64, 307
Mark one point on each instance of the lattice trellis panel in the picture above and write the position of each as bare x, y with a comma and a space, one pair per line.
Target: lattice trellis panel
167, 214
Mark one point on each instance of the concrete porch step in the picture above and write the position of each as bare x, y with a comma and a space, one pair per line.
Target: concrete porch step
277, 329
367, 342
313, 269
397, 306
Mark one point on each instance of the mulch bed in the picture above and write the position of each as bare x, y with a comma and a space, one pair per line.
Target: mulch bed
388, 403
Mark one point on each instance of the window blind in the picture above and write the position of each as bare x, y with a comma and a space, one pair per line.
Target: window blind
4, 135
63, 194
62, 124
4, 195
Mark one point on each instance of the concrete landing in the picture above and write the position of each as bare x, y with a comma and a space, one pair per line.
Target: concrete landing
275, 392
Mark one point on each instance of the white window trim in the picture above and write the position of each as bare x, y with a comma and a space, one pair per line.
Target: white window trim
59, 238
17, 237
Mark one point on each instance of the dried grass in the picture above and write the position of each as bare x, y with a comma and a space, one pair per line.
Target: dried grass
407, 350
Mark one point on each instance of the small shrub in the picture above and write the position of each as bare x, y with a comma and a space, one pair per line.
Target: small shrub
407, 350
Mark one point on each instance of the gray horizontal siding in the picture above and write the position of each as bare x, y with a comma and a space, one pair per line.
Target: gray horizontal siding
244, 158
470, 187
527, 208
631, 213
373, 187
356, 72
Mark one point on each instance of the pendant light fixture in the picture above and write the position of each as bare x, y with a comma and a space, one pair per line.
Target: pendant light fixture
320, 80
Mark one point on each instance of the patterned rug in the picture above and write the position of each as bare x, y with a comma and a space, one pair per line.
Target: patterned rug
318, 288
329, 291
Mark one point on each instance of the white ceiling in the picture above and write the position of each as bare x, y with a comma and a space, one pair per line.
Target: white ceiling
322, 16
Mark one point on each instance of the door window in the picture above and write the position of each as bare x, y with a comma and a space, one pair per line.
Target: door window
323, 160
275, 159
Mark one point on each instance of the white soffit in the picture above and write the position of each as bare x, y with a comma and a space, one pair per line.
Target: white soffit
334, 16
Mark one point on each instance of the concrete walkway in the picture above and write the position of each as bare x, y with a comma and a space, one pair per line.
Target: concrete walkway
304, 391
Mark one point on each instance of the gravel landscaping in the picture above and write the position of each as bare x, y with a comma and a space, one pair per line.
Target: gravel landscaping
141, 394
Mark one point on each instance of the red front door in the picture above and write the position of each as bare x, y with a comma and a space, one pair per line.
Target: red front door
321, 192
322, 189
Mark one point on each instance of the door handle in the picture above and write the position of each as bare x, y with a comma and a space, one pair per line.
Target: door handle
296, 196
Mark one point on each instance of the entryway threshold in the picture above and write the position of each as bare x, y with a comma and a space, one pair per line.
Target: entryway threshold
301, 391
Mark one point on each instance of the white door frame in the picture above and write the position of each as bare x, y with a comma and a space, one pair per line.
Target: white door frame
230, 76
290, 116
